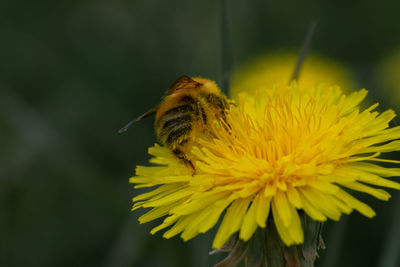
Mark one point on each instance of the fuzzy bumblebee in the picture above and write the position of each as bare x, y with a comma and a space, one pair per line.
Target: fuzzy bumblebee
189, 106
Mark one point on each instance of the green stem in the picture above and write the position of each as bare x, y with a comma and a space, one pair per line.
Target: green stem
226, 46
336, 236
391, 250
303, 51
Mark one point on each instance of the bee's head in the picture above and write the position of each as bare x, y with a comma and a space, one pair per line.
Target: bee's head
208, 85
185, 83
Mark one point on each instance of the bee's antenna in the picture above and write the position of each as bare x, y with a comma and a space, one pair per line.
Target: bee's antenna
303, 51
226, 46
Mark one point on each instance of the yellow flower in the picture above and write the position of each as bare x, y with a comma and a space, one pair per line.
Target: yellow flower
288, 150
387, 78
276, 69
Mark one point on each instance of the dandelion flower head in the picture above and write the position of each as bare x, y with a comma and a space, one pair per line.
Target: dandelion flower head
276, 68
288, 150
387, 78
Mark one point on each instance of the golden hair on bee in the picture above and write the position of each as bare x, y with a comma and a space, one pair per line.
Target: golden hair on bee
189, 105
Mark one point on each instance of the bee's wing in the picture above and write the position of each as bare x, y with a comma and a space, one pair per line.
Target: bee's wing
141, 117
183, 82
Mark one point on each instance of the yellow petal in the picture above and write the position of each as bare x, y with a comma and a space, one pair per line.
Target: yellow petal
282, 205
178, 227
198, 204
375, 169
167, 222
232, 221
378, 193
156, 213
181, 194
262, 209
356, 204
291, 234
169, 188
321, 203
309, 208
294, 197
249, 224
211, 220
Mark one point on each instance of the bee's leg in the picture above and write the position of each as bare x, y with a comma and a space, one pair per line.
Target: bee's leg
232, 102
180, 155
225, 123
189, 164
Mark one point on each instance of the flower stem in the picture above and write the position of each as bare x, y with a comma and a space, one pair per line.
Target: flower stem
226, 46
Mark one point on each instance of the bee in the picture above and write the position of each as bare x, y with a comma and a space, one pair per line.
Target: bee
188, 107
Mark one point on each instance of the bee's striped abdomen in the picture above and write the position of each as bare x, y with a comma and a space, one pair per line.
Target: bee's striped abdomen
175, 124
170, 122
203, 113
175, 112
178, 134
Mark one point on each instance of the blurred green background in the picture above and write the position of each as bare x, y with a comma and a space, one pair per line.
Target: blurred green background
73, 72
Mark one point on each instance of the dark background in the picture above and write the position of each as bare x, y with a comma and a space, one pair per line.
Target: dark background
73, 72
